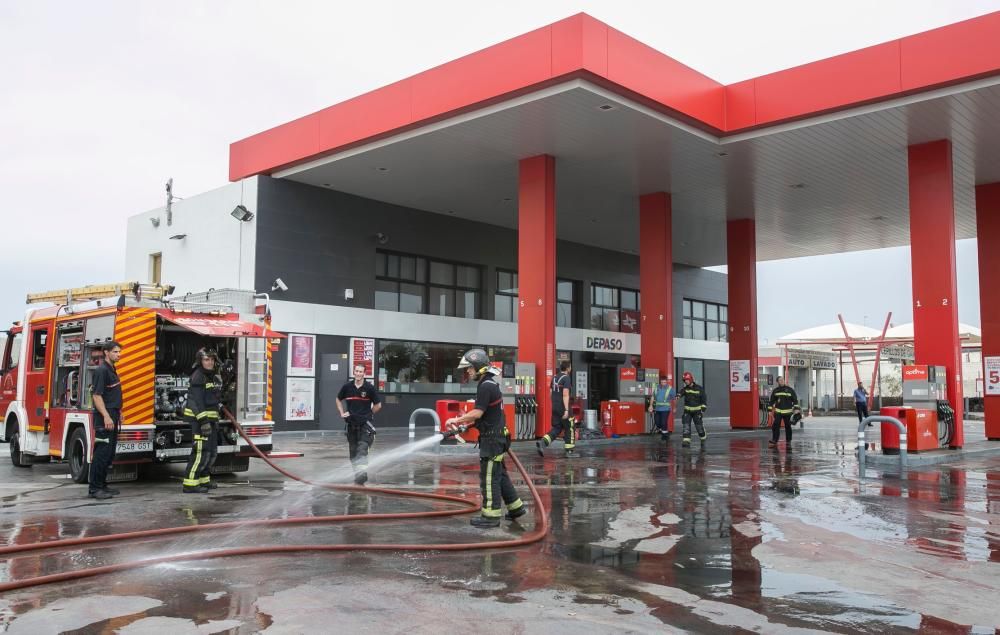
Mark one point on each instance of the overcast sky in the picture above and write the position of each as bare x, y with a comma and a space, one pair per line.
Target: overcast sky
102, 101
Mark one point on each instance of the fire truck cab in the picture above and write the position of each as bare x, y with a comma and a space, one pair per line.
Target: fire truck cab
48, 361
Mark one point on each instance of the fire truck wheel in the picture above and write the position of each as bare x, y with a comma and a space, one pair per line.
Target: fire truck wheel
79, 466
15, 451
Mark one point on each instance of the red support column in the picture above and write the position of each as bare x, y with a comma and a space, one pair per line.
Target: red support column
536, 270
741, 256
656, 268
988, 237
932, 258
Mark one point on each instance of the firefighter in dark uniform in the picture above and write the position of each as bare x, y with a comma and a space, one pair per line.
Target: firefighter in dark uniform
358, 401
695, 404
494, 441
201, 411
561, 417
107, 394
783, 403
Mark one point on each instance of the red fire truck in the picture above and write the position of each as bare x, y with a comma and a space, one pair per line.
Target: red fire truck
49, 359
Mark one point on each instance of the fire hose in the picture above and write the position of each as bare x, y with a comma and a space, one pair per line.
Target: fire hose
466, 506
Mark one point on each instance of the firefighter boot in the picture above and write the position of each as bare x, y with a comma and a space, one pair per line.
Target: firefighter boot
485, 522
112, 491
538, 445
514, 514
195, 489
100, 495
686, 442
704, 438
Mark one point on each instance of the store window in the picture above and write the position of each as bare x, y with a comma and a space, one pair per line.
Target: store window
705, 321
566, 308
424, 367
505, 298
614, 309
413, 284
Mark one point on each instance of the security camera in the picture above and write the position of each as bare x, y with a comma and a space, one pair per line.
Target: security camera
381, 238
279, 284
155, 220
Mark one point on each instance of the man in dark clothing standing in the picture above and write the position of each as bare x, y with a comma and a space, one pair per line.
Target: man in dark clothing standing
107, 421
494, 441
561, 417
861, 402
201, 411
783, 403
358, 401
695, 405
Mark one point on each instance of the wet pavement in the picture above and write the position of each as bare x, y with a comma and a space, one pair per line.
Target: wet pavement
645, 538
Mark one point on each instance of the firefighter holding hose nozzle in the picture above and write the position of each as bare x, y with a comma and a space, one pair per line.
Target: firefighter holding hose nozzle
201, 411
494, 441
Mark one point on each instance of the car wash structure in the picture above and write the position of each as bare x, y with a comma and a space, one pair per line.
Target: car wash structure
578, 137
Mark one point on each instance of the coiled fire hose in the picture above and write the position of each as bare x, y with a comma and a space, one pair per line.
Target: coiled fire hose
466, 506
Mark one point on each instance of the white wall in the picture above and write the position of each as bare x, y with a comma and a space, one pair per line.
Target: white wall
322, 319
217, 252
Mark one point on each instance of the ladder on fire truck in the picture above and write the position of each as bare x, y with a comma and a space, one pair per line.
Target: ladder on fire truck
137, 290
256, 358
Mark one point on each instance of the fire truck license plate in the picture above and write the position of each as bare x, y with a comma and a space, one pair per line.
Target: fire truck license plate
135, 446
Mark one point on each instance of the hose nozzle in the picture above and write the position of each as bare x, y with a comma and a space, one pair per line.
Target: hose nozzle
454, 433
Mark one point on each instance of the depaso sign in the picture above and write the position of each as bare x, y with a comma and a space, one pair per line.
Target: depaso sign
915, 373
605, 344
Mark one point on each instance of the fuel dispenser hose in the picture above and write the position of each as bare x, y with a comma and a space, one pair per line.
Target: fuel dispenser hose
466, 506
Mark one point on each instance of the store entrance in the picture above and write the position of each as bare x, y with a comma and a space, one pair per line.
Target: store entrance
603, 384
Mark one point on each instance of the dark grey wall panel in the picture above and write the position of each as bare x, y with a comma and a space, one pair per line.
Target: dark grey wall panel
320, 242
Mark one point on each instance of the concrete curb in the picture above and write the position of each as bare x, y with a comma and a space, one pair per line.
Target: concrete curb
980, 449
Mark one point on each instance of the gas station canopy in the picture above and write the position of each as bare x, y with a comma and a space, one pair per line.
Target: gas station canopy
816, 154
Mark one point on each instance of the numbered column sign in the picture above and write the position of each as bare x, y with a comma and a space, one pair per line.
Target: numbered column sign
992, 375
739, 375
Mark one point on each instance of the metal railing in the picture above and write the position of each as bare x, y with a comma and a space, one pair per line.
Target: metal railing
862, 427
423, 411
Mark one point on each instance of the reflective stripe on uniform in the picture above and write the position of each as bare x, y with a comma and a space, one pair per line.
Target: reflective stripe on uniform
197, 462
488, 503
205, 480
100, 440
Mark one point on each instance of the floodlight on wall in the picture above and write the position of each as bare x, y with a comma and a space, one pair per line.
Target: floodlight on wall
241, 214
155, 221
381, 238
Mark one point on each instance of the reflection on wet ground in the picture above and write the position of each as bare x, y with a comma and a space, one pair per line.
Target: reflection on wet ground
645, 538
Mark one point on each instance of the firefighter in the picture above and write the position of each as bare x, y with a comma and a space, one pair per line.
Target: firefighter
561, 417
494, 441
660, 405
783, 403
201, 410
107, 394
358, 401
695, 404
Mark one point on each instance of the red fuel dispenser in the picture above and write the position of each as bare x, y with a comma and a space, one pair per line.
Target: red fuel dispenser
924, 412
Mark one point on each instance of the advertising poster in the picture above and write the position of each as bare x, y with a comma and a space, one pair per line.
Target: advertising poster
301, 355
300, 399
992, 379
363, 352
739, 375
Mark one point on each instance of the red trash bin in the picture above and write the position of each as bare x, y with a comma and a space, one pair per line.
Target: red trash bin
890, 433
446, 409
